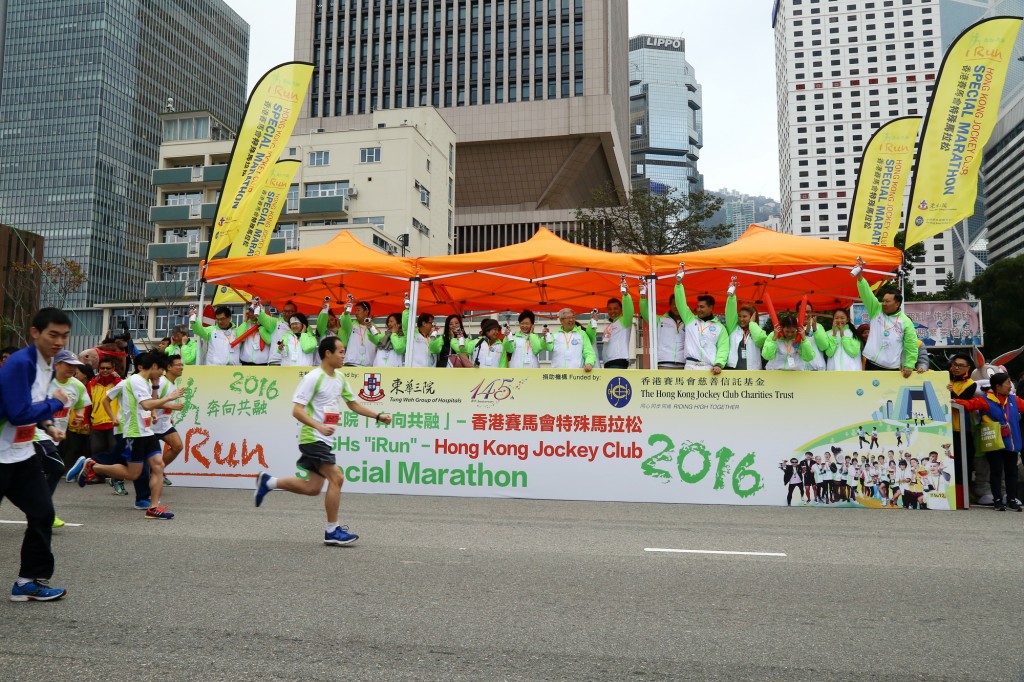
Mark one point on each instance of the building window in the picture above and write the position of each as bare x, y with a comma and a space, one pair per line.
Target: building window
292, 202
319, 158
420, 227
424, 196
369, 155
326, 189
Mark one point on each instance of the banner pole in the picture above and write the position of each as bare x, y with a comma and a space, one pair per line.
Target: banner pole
964, 473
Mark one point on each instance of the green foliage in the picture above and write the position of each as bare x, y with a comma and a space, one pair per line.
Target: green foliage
999, 290
648, 222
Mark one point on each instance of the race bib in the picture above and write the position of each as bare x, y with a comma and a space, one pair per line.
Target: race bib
146, 422
331, 418
62, 414
24, 434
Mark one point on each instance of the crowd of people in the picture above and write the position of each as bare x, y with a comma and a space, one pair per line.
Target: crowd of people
695, 339
107, 413
896, 479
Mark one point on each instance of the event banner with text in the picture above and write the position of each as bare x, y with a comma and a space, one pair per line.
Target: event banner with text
861, 439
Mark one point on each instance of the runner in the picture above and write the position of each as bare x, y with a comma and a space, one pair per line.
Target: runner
65, 364
24, 379
164, 427
138, 402
317, 405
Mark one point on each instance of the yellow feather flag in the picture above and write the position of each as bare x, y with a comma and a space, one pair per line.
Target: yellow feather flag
260, 214
882, 178
963, 111
269, 120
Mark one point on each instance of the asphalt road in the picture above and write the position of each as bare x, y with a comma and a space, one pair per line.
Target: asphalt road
476, 589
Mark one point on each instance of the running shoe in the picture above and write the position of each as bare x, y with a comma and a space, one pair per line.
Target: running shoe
159, 513
37, 590
262, 488
142, 505
340, 536
119, 488
76, 469
167, 481
57, 523
86, 473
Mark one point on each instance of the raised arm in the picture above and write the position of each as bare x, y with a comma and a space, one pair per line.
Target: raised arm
681, 306
868, 298
732, 317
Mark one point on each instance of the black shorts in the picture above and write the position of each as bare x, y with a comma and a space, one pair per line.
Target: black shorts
143, 448
313, 455
163, 436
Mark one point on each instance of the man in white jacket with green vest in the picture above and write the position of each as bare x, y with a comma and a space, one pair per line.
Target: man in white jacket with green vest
892, 341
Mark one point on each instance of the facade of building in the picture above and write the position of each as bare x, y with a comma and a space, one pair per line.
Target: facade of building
843, 69
666, 127
534, 89
20, 255
82, 93
372, 182
739, 214
1003, 172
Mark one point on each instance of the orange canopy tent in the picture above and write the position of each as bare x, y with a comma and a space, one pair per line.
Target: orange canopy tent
547, 273
340, 267
786, 267
543, 274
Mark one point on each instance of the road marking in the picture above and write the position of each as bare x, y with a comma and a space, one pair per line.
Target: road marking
711, 551
76, 525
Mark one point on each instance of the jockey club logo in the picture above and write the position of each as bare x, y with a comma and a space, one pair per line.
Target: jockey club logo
372, 390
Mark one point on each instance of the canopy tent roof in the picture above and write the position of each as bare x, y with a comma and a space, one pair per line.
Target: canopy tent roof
786, 267
546, 273
340, 267
543, 274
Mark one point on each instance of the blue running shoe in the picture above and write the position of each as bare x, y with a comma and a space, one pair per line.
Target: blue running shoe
142, 505
75, 469
262, 488
340, 536
37, 590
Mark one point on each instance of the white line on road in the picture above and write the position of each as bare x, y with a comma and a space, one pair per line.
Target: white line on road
76, 525
710, 551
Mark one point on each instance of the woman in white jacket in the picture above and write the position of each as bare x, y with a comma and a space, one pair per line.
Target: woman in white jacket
842, 345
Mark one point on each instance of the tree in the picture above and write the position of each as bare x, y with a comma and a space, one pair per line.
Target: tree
998, 287
648, 222
57, 280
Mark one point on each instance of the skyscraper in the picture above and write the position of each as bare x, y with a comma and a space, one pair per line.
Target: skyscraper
843, 69
534, 89
665, 116
739, 214
82, 92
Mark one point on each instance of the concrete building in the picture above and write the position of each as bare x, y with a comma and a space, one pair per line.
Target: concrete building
20, 283
372, 182
1003, 172
844, 69
739, 214
665, 116
534, 89
83, 87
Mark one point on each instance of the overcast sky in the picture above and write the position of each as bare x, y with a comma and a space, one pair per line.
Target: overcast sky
729, 43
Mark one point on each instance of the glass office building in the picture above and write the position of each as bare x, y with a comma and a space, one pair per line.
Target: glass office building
83, 86
665, 116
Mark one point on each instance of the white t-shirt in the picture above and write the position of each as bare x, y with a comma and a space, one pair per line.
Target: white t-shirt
321, 396
78, 396
16, 439
164, 417
138, 422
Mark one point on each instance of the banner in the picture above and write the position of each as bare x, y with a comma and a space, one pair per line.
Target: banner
631, 436
269, 120
939, 324
963, 111
259, 215
881, 180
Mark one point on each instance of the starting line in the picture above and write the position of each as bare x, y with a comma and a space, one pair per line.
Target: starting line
711, 551
75, 525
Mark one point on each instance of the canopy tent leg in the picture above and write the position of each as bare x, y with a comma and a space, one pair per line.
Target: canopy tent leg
652, 316
410, 339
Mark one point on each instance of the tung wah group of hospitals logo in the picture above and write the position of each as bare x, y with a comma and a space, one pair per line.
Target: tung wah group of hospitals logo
372, 390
